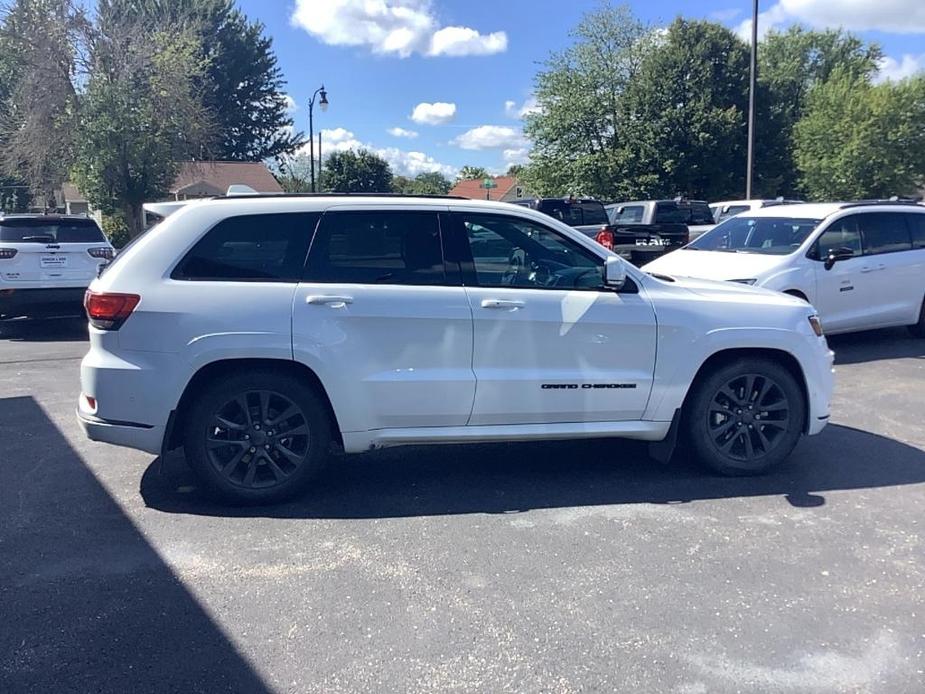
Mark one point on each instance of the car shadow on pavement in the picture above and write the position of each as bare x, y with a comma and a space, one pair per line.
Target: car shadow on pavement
86, 603
876, 345
509, 478
64, 329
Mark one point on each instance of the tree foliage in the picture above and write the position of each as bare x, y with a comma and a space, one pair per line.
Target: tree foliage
356, 172
39, 45
577, 132
241, 83
141, 113
684, 116
790, 65
859, 140
469, 173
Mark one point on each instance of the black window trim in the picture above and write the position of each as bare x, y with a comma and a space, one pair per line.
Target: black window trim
451, 275
174, 269
467, 262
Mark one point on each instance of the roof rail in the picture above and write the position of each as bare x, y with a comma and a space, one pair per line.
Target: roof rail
891, 201
251, 196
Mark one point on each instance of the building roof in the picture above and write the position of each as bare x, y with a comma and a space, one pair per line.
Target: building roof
472, 188
221, 174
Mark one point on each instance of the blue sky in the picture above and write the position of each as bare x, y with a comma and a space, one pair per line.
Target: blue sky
437, 84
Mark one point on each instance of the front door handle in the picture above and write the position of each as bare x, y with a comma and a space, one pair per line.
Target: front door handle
329, 300
867, 268
501, 303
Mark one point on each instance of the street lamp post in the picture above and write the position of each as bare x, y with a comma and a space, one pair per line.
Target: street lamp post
323, 103
753, 67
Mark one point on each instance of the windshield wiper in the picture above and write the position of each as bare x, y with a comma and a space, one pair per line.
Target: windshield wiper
40, 237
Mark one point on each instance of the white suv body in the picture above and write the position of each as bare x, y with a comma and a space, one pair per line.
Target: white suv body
861, 265
418, 321
47, 262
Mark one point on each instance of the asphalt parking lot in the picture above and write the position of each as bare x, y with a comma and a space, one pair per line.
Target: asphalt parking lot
561, 567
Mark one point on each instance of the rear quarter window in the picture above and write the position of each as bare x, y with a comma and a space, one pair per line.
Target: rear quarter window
251, 248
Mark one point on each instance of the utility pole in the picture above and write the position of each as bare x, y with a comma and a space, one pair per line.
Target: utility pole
751, 103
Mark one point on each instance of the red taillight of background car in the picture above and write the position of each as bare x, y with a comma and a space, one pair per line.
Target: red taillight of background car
7, 253
108, 311
104, 253
605, 238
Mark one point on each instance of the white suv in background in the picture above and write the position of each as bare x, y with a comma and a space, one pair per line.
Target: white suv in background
260, 332
862, 265
47, 261
730, 208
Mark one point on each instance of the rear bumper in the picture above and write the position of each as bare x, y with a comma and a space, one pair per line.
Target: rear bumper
140, 436
41, 302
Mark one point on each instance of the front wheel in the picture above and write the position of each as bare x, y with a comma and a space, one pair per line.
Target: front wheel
257, 438
745, 417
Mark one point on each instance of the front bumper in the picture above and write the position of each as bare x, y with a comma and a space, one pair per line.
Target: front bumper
820, 385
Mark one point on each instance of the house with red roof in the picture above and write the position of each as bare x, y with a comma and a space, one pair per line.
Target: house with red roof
506, 188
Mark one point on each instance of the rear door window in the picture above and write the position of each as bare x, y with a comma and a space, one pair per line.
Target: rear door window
884, 232
700, 213
670, 213
251, 248
629, 214
381, 247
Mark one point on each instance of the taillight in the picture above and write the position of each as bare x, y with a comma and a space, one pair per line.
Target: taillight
7, 253
108, 311
104, 253
605, 238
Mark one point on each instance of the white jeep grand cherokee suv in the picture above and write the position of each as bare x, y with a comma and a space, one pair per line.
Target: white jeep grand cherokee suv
261, 332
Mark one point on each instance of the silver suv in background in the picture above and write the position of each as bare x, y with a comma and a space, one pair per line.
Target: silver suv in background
47, 262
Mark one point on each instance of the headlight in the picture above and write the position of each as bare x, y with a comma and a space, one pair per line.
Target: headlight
749, 281
816, 325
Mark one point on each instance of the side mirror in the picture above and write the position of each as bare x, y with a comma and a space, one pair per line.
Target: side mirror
614, 273
836, 254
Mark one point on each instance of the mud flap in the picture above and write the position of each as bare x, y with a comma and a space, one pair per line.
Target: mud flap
662, 451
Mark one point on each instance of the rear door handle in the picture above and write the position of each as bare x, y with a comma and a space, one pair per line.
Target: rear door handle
329, 300
501, 303
867, 268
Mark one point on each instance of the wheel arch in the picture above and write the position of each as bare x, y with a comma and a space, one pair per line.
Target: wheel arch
799, 294
780, 356
224, 367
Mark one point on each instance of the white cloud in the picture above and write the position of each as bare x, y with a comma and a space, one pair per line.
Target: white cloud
491, 137
458, 41
520, 155
391, 27
437, 113
291, 105
512, 110
894, 70
402, 132
401, 161
892, 16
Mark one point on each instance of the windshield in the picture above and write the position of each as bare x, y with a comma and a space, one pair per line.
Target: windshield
50, 231
765, 235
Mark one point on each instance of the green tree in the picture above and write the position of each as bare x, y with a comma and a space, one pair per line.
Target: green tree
859, 140
294, 173
242, 85
514, 170
402, 185
685, 113
39, 43
790, 64
356, 172
468, 173
140, 115
431, 183
578, 131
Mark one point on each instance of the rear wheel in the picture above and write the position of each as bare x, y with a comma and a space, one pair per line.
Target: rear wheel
257, 438
745, 417
918, 329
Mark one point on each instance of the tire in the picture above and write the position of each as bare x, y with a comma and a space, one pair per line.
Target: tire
918, 329
720, 419
257, 465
